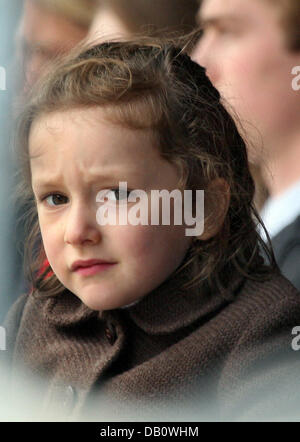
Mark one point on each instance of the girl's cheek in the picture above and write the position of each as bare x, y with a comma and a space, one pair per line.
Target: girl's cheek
51, 236
145, 241
134, 240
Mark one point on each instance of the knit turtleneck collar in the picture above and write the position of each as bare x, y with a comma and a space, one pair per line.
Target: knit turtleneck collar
166, 309
66, 310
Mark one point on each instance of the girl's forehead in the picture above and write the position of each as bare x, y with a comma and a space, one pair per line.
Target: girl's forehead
88, 125
55, 122
93, 145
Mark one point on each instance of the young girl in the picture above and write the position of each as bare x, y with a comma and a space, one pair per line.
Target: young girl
131, 320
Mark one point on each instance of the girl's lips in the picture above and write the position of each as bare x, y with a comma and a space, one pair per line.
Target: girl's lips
88, 263
93, 269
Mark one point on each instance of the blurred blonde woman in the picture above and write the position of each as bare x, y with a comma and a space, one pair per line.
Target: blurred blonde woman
49, 28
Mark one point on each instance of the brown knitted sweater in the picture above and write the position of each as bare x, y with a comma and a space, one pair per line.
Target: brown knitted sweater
171, 356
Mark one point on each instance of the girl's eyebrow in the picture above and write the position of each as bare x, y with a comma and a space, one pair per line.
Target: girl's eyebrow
95, 178
39, 183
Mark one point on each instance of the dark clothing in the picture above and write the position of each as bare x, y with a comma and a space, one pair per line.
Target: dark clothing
172, 355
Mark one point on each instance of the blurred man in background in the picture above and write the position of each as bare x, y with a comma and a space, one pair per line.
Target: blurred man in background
250, 48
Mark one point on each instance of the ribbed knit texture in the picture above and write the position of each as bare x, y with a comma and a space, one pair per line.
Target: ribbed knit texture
172, 352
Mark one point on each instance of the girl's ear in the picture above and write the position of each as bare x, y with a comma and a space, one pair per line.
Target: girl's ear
216, 204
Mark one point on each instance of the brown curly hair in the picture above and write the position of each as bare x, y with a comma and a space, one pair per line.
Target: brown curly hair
151, 83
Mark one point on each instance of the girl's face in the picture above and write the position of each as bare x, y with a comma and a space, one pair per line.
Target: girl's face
74, 155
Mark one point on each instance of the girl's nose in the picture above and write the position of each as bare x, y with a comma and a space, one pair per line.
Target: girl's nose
81, 226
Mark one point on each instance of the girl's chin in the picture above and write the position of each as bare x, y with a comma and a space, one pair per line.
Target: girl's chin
101, 302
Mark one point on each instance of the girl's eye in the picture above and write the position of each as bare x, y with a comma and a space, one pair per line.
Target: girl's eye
55, 199
118, 194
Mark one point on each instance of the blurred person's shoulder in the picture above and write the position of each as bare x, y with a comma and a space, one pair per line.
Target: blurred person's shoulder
13, 319
16, 310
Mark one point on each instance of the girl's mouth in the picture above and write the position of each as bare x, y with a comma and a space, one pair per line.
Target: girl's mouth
94, 268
